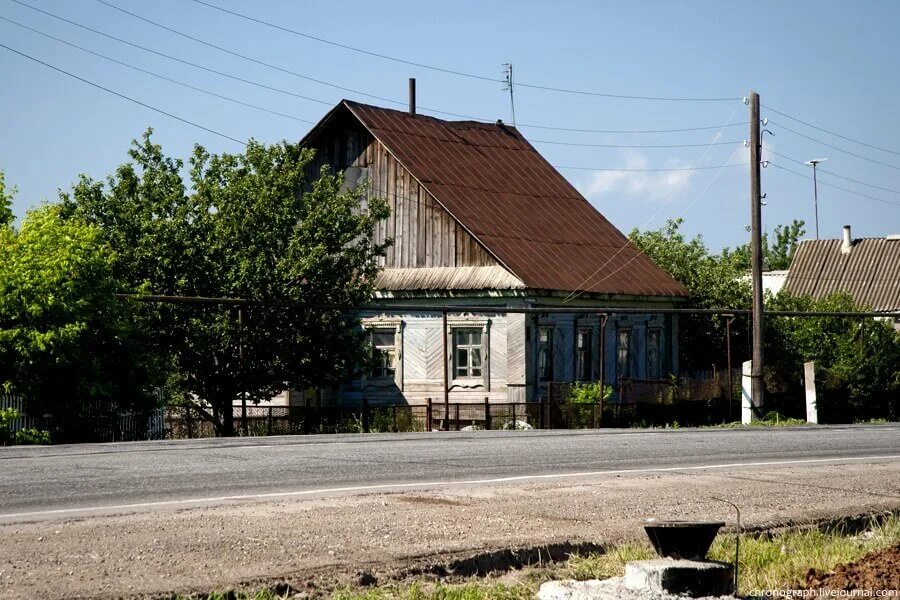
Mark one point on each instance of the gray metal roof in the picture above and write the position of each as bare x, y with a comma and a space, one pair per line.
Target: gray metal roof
870, 272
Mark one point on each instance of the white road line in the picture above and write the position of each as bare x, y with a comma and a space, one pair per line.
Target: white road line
400, 486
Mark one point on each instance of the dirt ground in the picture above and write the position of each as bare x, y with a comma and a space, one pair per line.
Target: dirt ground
339, 539
875, 571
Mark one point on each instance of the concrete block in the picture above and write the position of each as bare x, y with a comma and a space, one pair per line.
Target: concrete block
605, 589
690, 577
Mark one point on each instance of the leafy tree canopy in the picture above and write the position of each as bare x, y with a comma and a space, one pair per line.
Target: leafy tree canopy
714, 281
778, 254
64, 340
257, 225
6, 198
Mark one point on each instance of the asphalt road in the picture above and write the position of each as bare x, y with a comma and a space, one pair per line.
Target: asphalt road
58, 480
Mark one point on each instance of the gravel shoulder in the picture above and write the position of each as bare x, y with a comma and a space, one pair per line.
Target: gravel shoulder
332, 539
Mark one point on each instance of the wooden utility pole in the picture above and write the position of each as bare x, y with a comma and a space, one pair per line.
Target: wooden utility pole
757, 388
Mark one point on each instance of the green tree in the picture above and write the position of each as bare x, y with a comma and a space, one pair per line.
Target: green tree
857, 360
257, 225
777, 256
714, 281
64, 340
6, 198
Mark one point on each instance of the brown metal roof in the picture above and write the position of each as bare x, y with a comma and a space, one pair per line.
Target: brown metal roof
870, 272
491, 180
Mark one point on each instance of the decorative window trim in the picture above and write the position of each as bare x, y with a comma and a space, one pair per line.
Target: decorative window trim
591, 331
398, 325
469, 383
659, 350
626, 373
551, 358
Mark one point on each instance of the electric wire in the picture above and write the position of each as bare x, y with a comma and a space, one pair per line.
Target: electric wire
245, 104
585, 145
328, 103
157, 75
631, 131
710, 167
833, 147
174, 58
450, 71
825, 183
709, 185
833, 174
822, 129
123, 96
527, 237
578, 291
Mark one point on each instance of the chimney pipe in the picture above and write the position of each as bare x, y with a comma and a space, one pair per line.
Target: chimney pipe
847, 243
412, 95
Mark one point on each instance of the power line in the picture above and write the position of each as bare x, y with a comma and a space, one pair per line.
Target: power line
173, 58
821, 170
293, 117
123, 96
835, 186
839, 149
157, 75
649, 170
319, 101
229, 99
578, 291
449, 71
250, 58
843, 137
634, 145
634, 131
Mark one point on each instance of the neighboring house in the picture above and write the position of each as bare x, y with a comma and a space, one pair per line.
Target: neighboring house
479, 217
868, 269
773, 281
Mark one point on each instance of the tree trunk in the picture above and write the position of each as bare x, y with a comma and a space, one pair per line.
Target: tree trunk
222, 413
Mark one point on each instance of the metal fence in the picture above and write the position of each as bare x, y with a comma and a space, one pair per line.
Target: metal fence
642, 410
92, 422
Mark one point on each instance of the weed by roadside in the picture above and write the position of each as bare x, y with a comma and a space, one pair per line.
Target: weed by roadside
766, 563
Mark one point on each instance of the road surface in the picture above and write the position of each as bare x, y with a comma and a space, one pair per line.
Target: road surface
42, 482
153, 518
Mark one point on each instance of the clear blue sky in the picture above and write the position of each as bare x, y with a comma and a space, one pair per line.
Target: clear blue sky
833, 64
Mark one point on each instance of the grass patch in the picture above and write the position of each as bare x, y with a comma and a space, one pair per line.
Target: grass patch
473, 590
766, 563
772, 563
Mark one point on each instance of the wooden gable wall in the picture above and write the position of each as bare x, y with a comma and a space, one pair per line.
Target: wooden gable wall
424, 234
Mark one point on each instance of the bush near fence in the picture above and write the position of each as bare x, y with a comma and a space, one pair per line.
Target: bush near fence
95, 422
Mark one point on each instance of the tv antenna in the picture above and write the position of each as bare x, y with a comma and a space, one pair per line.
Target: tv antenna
508, 85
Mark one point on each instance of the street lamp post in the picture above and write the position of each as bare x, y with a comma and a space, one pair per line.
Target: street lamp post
813, 163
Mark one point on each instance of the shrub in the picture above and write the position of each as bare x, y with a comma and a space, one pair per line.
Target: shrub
7, 416
32, 436
588, 393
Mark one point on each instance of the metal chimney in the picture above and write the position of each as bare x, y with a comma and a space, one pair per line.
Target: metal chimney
847, 243
412, 95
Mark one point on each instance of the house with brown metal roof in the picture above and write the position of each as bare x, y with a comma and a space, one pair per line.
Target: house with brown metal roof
868, 269
478, 216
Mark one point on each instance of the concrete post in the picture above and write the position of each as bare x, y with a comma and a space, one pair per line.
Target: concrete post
746, 394
809, 384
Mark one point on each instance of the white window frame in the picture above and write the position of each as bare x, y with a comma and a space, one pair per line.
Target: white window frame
482, 381
397, 325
